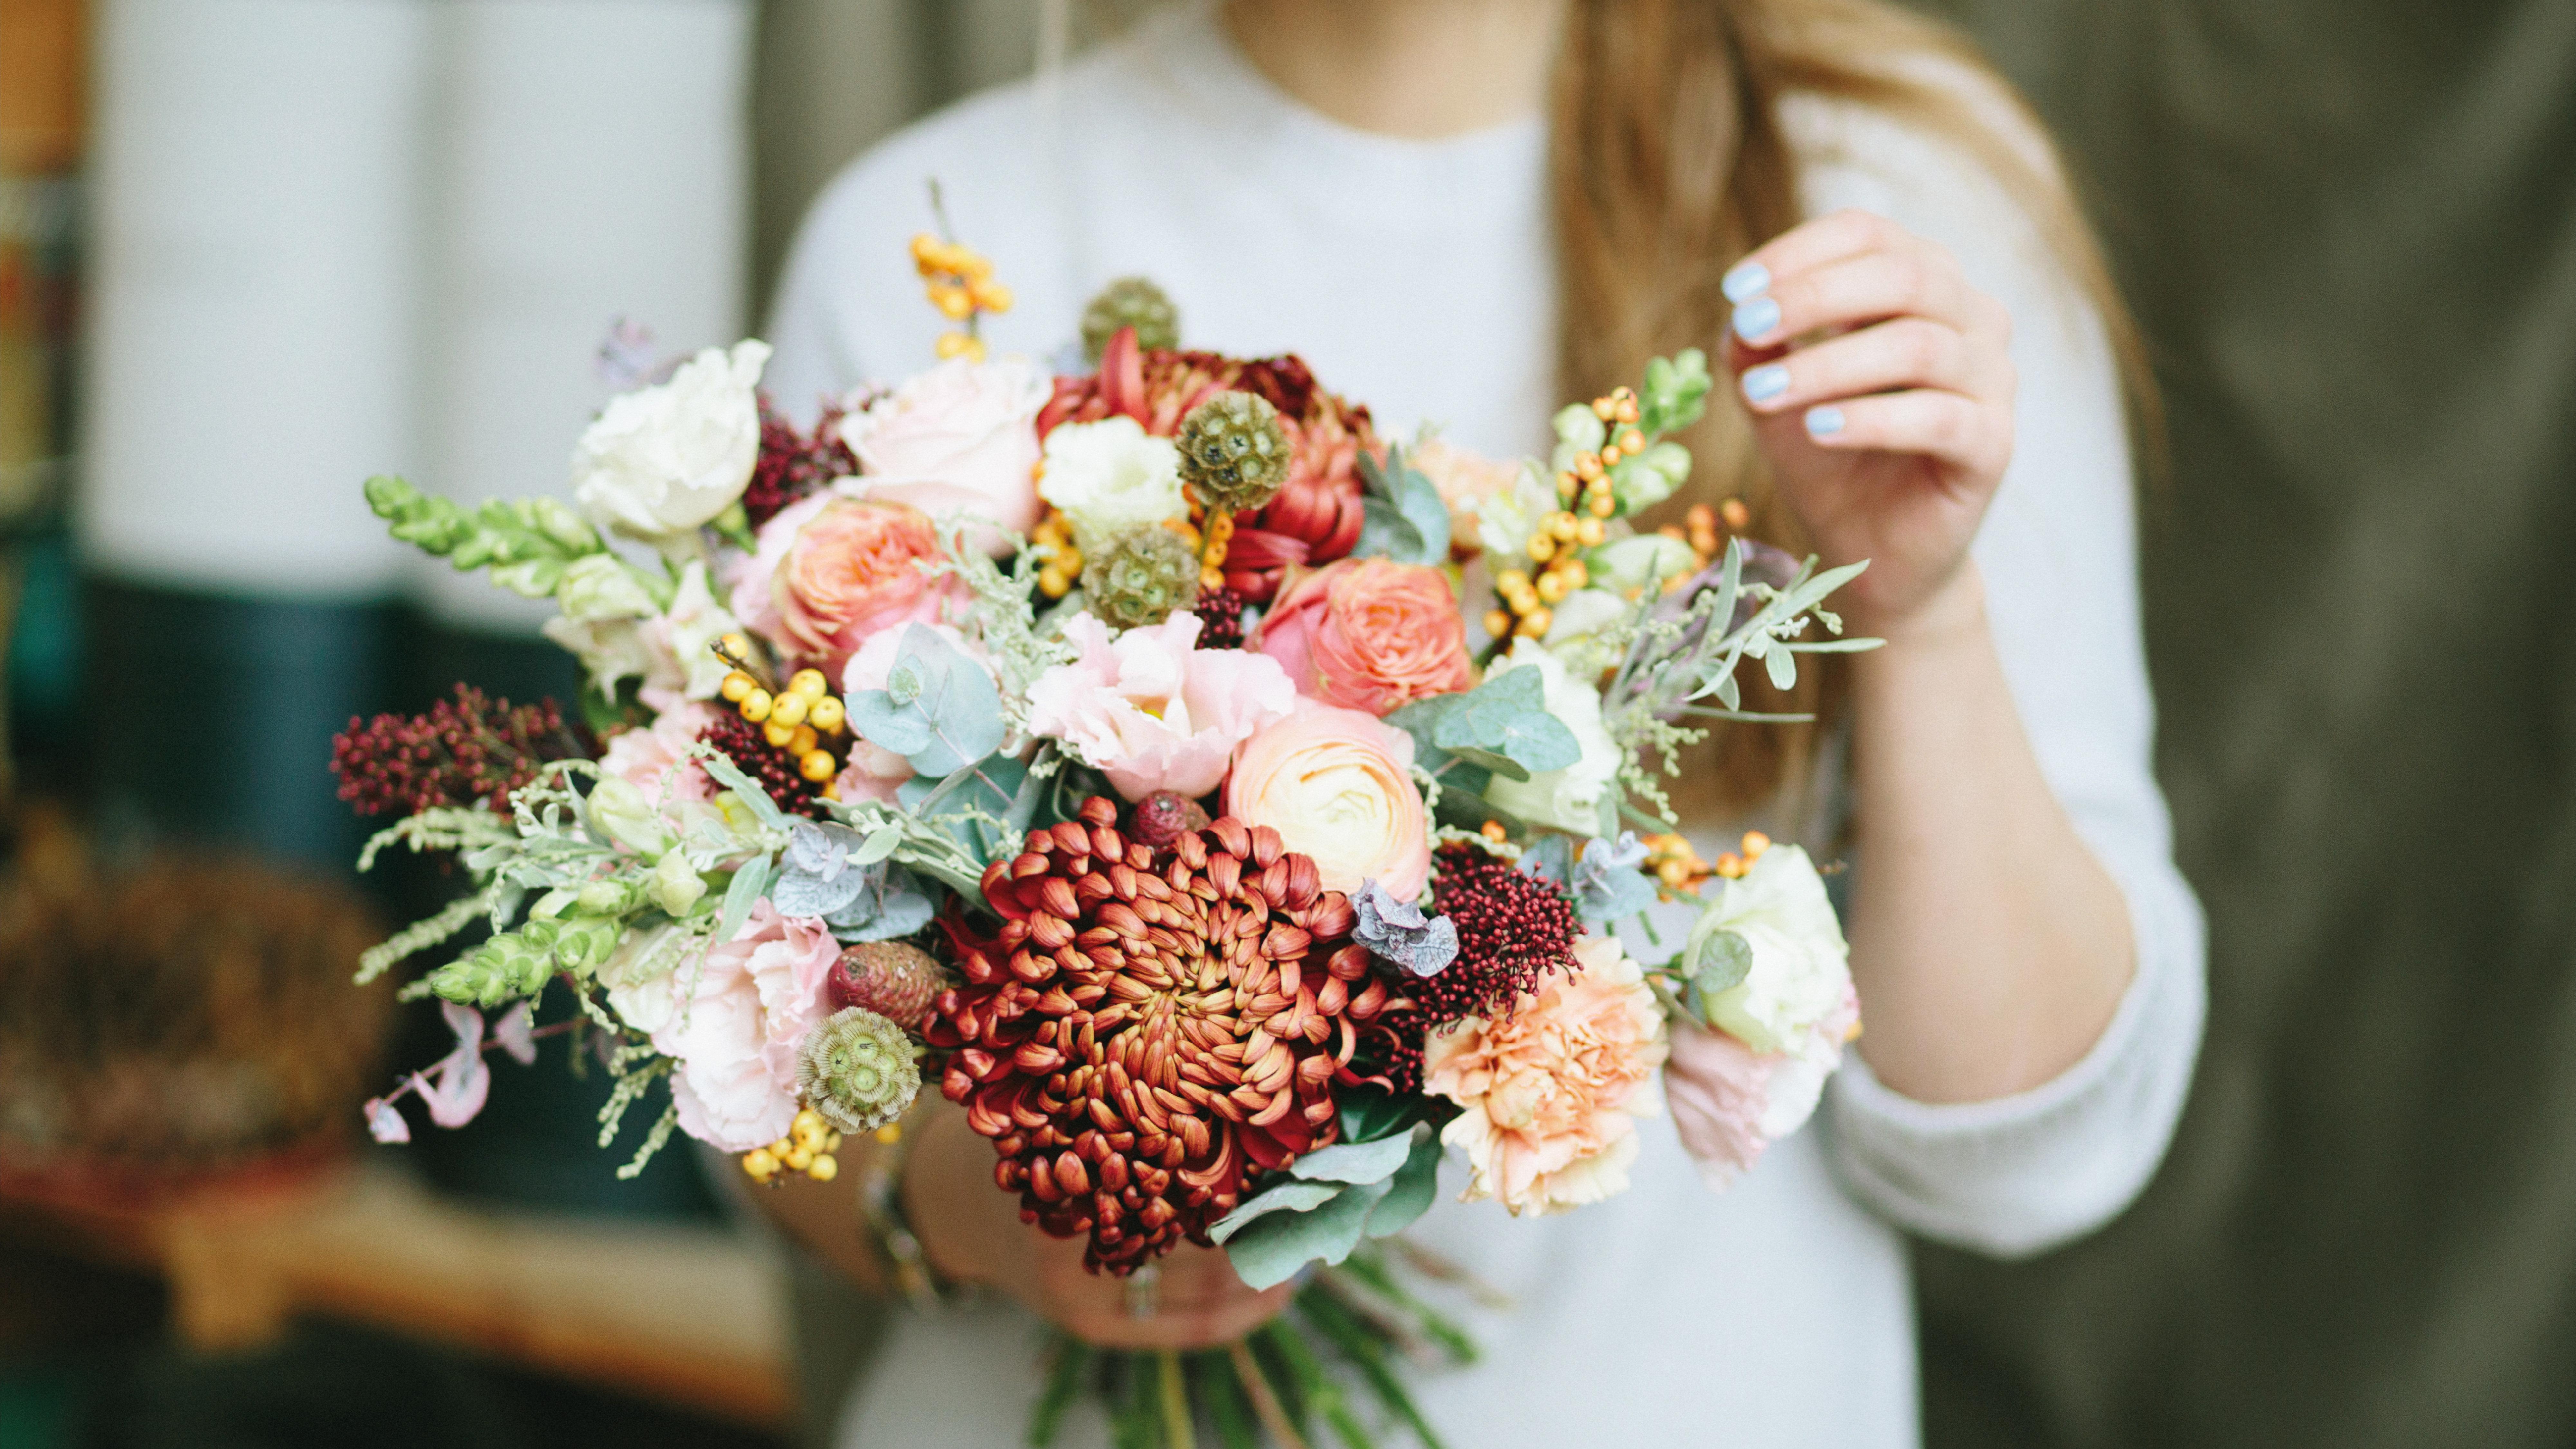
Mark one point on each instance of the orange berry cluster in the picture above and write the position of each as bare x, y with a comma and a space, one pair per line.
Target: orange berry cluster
959, 282
1059, 562
805, 719
1588, 481
1699, 530
807, 1148
1670, 859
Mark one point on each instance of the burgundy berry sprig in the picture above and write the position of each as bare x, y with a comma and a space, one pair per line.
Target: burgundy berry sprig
466, 752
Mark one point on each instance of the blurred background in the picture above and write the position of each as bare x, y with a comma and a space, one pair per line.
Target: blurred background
252, 251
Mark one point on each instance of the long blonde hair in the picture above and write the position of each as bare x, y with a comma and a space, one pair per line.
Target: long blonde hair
1669, 164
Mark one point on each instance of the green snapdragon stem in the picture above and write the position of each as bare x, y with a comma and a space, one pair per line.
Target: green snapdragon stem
1179, 1428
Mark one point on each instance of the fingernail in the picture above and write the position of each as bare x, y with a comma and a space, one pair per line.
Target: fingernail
1749, 279
1824, 422
1756, 318
1765, 382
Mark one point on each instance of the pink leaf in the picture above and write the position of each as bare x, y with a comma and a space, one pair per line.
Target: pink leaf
384, 1123
515, 1032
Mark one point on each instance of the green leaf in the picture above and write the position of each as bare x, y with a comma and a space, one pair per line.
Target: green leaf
1269, 1250
939, 709
1506, 719
1295, 1197
1368, 1113
1719, 962
1402, 515
750, 883
1421, 719
1675, 392
1410, 1192
1353, 1162
1366, 1350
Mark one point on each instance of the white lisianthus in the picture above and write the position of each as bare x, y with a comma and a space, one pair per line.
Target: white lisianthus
664, 459
1567, 799
1505, 521
1576, 619
1801, 967
609, 649
1111, 477
684, 666
1645, 561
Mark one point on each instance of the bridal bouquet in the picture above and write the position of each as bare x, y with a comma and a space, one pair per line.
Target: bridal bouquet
1233, 809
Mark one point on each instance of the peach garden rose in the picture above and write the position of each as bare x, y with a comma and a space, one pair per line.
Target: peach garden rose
1337, 784
831, 571
1370, 634
1552, 1095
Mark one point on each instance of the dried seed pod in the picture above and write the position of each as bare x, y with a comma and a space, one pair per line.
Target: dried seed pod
857, 1070
894, 980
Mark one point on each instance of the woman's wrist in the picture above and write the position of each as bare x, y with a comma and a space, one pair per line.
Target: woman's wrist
1952, 616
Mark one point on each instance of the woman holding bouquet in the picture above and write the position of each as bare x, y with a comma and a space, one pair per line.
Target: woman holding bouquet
1465, 212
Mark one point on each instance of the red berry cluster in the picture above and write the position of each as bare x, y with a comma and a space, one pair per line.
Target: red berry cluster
469, 752
764, 762
1513, 928
1220, 613
792, 463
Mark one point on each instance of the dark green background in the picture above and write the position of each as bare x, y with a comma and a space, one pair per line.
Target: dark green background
2346, 228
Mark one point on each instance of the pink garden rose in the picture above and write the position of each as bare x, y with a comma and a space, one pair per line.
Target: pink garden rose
736, 1035
1553, 1093
831, 572
646, 758
1731, 1102
1152, 712
961, 437
1369, 634
1337, 784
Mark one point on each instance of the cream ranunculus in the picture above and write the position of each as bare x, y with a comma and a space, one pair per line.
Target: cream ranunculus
1567, 799
664, 459
1337, 784
1110, 477
1801, 969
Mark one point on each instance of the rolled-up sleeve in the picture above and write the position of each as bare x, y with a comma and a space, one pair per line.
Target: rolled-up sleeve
2022, 1174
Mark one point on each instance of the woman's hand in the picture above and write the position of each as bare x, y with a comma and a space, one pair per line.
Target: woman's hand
971, 1231
1881, 389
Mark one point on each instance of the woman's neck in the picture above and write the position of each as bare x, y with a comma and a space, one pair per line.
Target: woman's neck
1418, 69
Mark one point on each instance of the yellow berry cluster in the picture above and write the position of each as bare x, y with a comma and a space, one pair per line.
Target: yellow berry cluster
1733, 866
807, 1148
959, 282
1059, 562
1670, 859
798, 719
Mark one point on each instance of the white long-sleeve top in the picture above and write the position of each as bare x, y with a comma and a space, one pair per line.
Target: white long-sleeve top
1415, 276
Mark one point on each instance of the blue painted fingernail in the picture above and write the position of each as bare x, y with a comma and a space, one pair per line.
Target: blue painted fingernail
1765, 382
1748, 280
1755, 319
1824, 422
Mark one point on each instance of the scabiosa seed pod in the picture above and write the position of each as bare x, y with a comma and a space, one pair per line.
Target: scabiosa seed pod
1234, 453
1142, 578
1130, 302
1151, 1026
896, 981
858, 1070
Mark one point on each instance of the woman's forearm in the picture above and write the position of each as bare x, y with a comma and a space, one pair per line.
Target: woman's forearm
1990, 946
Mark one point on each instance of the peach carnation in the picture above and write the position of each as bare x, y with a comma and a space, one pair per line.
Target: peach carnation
1553, 1092
1370, 634
1337, 784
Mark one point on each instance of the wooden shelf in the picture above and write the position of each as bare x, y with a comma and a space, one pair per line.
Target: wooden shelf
688, 1315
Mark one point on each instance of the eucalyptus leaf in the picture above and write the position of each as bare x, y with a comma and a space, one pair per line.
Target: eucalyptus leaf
1402, 515
1719, 962
1507, 717
1269, 1250
1352, 1162
1410, 1192
1290, 1196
